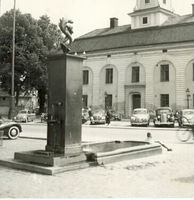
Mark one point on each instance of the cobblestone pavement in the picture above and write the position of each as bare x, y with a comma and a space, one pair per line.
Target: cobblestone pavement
167, 175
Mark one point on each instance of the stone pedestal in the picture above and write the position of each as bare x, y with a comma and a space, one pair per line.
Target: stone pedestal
65, 104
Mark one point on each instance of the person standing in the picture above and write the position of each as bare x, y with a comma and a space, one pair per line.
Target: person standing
108, 117
90, 115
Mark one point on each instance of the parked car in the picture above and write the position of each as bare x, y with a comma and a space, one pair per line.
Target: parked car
25, 116
44, 117
164, 117
186, 117
10, 129
115, 116
99, 117
140, 116
85, 115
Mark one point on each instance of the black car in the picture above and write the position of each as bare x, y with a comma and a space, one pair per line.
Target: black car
10, 129
164, 117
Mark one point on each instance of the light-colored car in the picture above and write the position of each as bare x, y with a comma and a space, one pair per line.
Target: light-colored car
25, 116
140, 117
187, 117
98, 117
164, 117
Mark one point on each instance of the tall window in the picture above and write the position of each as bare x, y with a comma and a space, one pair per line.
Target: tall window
109, 75
135, 74
193, 101
147, 1
84, 101
164, 100
108, 101
193, 71
164, 73
164, 1
85, 77
145, 20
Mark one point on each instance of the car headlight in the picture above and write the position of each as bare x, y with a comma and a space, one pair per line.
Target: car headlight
133, 118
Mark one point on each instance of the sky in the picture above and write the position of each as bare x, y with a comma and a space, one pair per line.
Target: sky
87, 15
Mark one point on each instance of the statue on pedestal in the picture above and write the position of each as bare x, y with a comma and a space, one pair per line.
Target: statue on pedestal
67, 30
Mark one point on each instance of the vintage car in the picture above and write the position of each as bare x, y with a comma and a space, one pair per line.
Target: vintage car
115, 116
164, 117
10, 129
186, 117
25, 116
98, 117
85, 115
140, 116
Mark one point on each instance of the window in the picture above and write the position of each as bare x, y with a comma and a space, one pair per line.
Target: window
145, 20
108, 101
193, 101
85, 77
84, 101
164, 100
193, 71
164, 1
135, 74
109, 75
164, 73
147, 1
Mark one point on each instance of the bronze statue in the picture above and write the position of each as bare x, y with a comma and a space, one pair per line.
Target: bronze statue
67, 29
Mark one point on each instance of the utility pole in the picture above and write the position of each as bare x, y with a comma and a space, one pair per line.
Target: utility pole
12, 102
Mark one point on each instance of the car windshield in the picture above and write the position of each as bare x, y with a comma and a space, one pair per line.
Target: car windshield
161, 111
188, 112
139, 112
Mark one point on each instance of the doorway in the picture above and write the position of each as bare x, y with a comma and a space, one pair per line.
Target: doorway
136, 101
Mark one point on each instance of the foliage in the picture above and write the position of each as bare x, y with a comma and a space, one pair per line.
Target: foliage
34, 39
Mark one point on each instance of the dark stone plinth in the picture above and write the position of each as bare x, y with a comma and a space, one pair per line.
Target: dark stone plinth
65, 104
41, 157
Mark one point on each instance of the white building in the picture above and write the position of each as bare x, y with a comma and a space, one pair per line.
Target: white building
147, 64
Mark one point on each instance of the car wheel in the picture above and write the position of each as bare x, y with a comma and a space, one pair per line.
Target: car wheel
13, 132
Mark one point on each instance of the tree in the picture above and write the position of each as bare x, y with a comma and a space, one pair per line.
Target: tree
34, 40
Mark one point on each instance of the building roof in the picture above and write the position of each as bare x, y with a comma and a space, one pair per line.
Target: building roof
175, 30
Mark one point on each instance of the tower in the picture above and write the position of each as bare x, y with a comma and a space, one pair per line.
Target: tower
149, 13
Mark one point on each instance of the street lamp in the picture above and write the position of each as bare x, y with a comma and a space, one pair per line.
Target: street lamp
12, 101
188, 96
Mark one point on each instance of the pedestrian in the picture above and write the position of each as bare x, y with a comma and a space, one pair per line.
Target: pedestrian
151, 141
90, 115
108, 117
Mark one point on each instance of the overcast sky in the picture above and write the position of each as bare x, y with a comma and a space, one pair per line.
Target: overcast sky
87, 15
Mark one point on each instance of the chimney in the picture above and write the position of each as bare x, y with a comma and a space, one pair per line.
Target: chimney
193, 9
113, 22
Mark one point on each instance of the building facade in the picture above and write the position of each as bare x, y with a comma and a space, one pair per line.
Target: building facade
147, 64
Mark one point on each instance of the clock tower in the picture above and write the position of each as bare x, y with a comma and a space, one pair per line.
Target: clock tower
149, 13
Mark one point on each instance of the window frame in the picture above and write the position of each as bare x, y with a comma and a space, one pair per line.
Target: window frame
84, 100
193, 71
147, 1
109, 75
135, 74
164, 100
144, 23
108, 101
85, 77
164, 73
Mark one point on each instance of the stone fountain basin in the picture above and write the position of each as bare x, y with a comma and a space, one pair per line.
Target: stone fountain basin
114, 151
